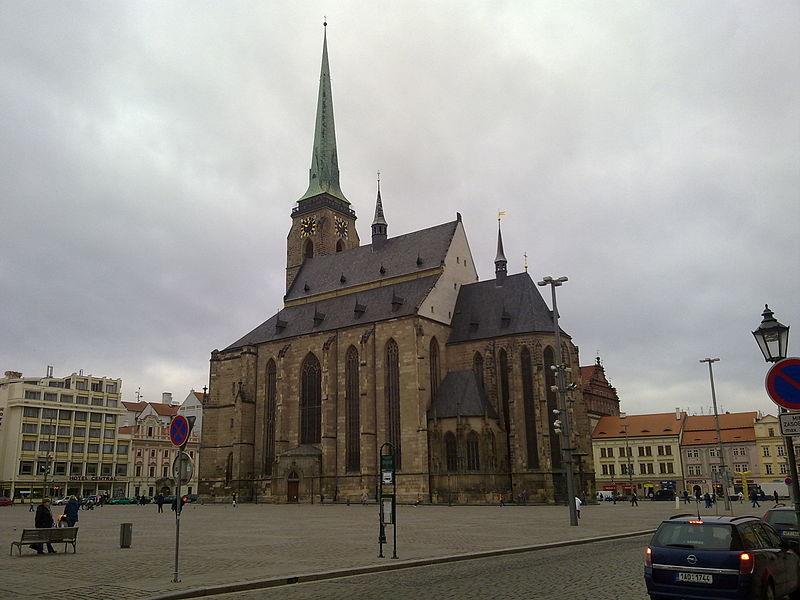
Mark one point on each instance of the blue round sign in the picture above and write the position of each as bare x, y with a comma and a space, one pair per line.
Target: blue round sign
783, 383
179, 430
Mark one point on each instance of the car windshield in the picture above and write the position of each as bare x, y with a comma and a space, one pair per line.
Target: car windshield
702, 536
782, 517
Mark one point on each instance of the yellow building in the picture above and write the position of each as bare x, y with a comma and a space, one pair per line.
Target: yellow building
771, 448
58, 436
652, 445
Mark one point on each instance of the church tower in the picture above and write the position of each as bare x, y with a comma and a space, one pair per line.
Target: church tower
323, 221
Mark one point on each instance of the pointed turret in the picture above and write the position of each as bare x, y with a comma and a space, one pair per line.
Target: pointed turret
500, 262
323, 177
379, 224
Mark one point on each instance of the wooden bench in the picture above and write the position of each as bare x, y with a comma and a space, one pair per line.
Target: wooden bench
56, 535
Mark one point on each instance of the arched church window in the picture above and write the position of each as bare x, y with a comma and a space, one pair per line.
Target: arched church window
492, 460
451, 452
310, 401
229, 469
552, 404
434, 358
530, 408
269, 426
473, 452
339, 246
504, 391
308, 249
352, 401
393, 399
477, 366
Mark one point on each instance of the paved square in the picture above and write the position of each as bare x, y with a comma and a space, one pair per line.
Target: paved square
220, 544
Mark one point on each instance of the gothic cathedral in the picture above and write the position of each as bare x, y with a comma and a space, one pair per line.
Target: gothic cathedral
396, 341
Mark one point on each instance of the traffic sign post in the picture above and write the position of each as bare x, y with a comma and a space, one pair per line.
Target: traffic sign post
182, 469
783, 387
387, 500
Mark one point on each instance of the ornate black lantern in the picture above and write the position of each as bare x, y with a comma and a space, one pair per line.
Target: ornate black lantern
772, 337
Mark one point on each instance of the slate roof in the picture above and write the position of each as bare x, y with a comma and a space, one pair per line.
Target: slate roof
397, 256
460, 395
486, 310
379, 304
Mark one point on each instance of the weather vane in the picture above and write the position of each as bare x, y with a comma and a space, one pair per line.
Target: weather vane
500, 213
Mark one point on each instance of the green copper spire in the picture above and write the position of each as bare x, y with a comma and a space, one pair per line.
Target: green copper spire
323, 177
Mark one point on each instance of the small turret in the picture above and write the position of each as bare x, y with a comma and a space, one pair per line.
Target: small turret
500, 262
379, 225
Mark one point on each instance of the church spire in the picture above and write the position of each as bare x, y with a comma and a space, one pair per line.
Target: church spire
500, 262
323, 177
379, 224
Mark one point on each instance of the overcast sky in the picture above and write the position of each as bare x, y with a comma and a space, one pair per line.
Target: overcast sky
151, 152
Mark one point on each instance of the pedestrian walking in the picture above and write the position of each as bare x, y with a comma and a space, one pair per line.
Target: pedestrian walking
364, 497
234, 499
578, 504
741, 497
160, 502
754, 499
686, 496
71, 511
707, 499
614, 497
44, 520
775, 495
634, 499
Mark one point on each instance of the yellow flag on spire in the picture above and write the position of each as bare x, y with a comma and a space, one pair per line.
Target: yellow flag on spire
500, 213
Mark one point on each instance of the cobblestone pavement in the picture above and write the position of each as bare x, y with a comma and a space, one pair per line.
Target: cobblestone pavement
220, 544
601, 571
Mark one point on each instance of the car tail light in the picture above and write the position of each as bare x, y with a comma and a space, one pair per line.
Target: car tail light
746, 563
695, 522
648, 557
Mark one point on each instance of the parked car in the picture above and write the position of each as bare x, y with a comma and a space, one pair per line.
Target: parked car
122, 501
664, 495
61, 501
784, 520
193, 498
720, 557
6, 501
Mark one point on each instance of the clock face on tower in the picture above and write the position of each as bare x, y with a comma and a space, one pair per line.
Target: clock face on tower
308, 227
341, 227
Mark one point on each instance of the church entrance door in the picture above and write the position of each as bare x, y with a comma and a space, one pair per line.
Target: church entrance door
292, 487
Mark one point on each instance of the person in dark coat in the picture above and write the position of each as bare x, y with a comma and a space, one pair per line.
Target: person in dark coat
776, 496
160, 502
44, 520
754, 498
71, 511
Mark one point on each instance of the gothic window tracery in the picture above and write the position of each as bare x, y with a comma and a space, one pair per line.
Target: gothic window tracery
451, 452
477, 366
552, 404
530, 408
434, 358
269, 428
353, 410
393, 399
310, 401
473, 452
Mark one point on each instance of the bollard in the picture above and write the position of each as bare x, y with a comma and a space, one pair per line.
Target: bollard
125, 535
677, 502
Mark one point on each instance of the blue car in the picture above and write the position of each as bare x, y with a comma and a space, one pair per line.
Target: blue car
784, 520
691, 558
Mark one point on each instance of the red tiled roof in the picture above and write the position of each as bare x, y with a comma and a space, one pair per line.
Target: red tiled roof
198, 395
586, 374
164, 410
658, 424
735, 427
729, 436
127, 429
135, 406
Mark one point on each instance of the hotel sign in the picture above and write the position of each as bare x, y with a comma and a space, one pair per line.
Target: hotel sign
92, 478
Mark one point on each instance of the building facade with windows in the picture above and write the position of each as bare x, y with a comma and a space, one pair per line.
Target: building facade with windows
390, 342
152, 452
771, 451
638, 452
59, 435
700, 453
600, 396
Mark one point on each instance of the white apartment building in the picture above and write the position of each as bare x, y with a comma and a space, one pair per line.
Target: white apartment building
59, 436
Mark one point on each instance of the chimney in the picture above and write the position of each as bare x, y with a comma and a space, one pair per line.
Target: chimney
678, 413
166, 398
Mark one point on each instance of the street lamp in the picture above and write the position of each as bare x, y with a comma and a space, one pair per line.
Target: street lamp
561, 387
628, 464
722, 467
773, 341
772, 337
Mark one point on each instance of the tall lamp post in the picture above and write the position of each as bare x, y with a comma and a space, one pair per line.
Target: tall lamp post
773, 341
722, 467
561, 388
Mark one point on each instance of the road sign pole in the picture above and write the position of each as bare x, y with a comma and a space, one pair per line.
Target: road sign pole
791, 459
177, 578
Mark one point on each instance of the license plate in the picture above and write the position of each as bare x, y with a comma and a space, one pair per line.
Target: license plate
790, 533
695, 578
